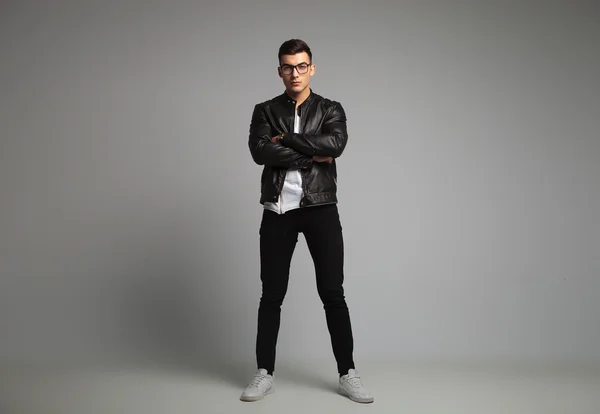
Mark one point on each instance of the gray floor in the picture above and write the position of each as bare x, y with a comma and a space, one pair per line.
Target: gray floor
397, 387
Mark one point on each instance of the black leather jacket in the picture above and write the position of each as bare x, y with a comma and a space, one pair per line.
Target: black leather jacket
323, 133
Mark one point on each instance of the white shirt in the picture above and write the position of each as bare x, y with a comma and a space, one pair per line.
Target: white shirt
291, 194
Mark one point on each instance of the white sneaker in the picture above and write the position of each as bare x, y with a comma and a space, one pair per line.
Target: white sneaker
261, 385
352, 387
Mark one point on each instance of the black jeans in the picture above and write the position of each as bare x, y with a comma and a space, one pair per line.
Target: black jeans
278, 237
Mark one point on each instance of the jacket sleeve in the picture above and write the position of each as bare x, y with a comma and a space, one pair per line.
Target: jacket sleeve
265, 152
332, 140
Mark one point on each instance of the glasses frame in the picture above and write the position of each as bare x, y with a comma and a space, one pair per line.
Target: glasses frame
285, 67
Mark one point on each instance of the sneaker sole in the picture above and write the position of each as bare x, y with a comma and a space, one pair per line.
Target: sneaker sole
358, 400
258, 397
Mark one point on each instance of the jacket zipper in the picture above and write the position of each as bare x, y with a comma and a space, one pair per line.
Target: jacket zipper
281, 192
281, 195
302, 121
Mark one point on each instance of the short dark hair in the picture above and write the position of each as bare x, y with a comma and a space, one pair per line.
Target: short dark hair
293, 46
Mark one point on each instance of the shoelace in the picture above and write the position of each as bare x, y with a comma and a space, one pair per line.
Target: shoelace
258, 380
355, 382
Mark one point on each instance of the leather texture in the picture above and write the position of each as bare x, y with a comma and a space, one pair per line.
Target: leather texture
323, 133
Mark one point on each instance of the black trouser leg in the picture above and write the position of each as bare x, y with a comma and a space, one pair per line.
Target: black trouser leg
323, 232
278, 238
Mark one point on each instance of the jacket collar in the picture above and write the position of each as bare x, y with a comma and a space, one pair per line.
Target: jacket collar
286, 98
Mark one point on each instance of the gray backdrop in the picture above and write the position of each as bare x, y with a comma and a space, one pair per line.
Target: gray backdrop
468, 192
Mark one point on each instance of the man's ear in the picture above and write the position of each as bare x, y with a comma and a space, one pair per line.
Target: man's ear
279, 71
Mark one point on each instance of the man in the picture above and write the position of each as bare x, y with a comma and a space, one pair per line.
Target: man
297, 137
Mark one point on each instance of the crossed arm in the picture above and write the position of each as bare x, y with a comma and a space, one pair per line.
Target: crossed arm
330, 143
296, 149
266, 152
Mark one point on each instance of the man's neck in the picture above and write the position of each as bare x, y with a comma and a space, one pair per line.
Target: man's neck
301, 97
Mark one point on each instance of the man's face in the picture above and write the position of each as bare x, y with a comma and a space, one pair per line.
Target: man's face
301, 71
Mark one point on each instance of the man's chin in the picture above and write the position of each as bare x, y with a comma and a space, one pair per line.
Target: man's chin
296, 89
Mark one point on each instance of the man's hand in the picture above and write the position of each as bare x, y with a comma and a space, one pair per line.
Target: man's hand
328, 160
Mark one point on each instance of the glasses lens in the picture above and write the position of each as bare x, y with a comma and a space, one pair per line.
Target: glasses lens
301, 68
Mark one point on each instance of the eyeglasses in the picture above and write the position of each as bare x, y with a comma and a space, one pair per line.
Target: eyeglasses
302, 68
